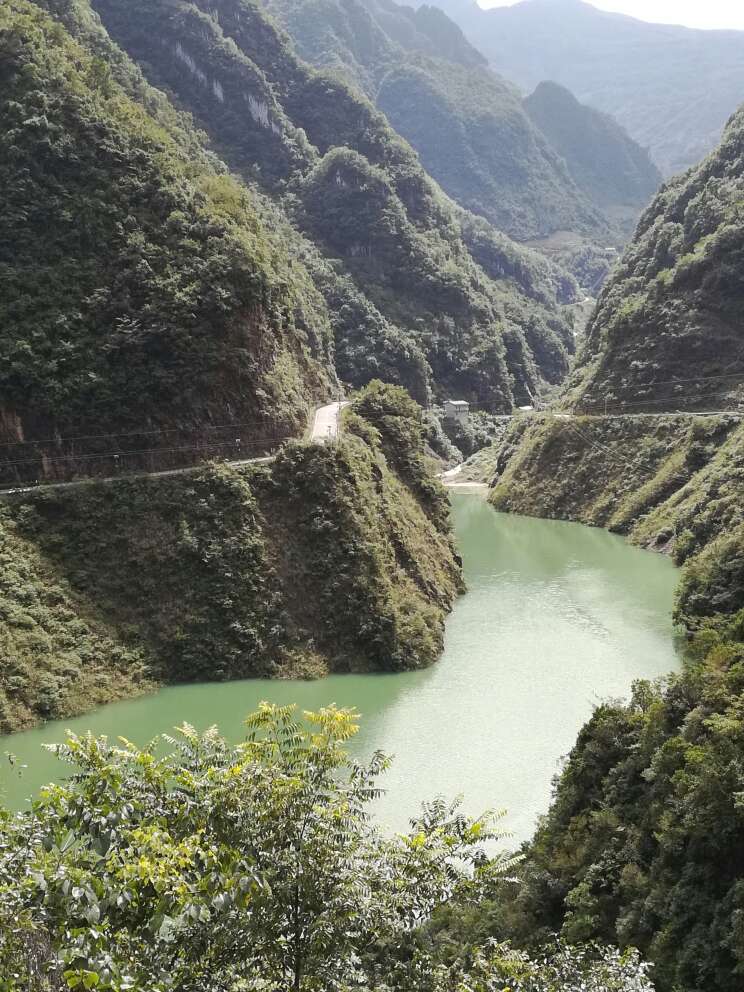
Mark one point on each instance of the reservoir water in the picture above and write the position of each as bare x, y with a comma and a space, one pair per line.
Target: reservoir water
557, 618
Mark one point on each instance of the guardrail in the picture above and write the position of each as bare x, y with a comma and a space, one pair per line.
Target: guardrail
34, 463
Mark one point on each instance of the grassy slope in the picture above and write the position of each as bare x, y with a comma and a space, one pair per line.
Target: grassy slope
326, 560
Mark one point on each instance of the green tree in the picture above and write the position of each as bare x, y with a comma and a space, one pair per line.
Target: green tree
252, 868
217, 863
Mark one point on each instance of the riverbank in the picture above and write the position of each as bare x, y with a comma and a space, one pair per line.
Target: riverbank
557, 617
669, 483
334, 557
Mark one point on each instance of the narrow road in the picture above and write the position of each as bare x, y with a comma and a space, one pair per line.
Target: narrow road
326, 423
325, 428
610, 415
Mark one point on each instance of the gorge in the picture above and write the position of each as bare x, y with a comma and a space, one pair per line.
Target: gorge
556, 618
221, 216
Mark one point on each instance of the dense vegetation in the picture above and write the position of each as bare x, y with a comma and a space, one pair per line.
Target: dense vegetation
333, 557
146, 287
286, 127
602, 159
467, 124
667, 331
253, 867
651, 77
138, 287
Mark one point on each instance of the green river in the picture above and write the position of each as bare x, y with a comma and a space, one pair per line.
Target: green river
557, 618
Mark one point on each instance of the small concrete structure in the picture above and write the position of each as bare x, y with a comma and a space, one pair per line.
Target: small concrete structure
457, 410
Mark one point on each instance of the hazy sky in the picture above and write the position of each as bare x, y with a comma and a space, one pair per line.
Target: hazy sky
693, 13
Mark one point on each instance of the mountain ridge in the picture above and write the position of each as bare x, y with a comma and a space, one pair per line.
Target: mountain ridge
646, 75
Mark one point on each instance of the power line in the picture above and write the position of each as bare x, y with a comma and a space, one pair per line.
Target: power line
141, 451
98, 437
699, 378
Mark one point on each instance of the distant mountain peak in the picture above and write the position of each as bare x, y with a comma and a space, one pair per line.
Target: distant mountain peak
648, 76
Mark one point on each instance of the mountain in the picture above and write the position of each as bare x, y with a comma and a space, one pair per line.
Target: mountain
467, 124
671, 88
388, 250
603, 160
150, 299
108, 590
667, 332
140, 290
152, 307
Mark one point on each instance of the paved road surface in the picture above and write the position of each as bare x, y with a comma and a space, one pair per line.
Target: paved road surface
325, 425
325, 428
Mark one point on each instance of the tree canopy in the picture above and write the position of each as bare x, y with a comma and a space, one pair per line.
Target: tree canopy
194, 864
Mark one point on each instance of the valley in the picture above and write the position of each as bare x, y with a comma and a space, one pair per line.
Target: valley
371, 458
608, 605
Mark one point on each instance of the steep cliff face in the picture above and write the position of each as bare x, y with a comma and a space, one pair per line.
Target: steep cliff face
140, 290
332, 558
222, 59
668, 331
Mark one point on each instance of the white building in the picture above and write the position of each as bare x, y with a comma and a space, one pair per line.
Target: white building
456, 410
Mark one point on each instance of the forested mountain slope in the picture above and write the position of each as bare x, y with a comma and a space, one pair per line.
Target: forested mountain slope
467, 124
139, 288
389, 252
148, 298
668, 330
603, 160
671, 88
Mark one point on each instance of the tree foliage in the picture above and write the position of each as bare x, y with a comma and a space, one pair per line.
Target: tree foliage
391, 245
194, 864
138, 286
334, 557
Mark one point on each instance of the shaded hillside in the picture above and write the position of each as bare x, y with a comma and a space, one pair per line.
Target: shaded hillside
668, 331
334, 557
139, 289
601, 157
641, 844
361, 39
356, 190
671, 88
467, 124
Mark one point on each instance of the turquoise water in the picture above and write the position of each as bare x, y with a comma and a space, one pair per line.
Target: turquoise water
557, 618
